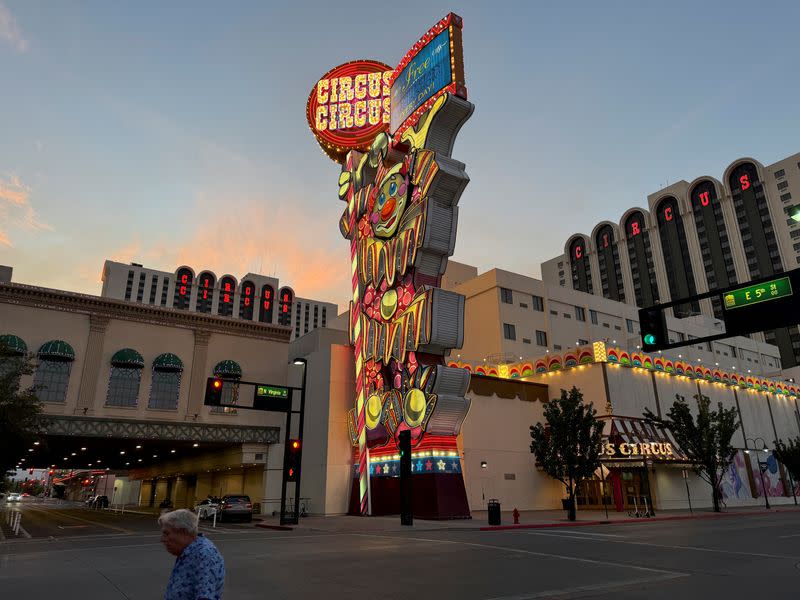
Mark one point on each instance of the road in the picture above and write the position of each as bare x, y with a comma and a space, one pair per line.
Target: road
736, 557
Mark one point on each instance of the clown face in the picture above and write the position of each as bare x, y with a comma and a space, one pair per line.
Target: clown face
391, 203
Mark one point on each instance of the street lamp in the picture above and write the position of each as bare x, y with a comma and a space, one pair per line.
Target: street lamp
304, 363
761, 466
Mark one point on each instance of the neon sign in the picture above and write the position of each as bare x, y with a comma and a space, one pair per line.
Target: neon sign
349, 106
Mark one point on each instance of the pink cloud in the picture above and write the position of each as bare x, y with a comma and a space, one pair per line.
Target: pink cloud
10, 31
259, 236
16, 211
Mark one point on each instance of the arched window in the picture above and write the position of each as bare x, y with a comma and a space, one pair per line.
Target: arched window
645, 288
12, 351
286, 297
227, 288
246, 300
267, 304
228, 369
126, 375
581, 269
712, 235
183, 288
608, 261
52, 374
166, 386
677, 261
205, 291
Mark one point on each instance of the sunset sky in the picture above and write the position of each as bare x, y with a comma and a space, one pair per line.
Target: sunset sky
171, 133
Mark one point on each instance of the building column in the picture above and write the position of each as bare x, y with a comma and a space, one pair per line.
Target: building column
198, 375
91, 364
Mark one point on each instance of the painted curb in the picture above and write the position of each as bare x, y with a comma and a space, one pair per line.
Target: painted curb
278, 527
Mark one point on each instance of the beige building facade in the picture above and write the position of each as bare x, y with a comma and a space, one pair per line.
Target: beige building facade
691, 238
123, 387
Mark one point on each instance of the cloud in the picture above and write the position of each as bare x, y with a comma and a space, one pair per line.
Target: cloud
282, 239
16, 211
10, 32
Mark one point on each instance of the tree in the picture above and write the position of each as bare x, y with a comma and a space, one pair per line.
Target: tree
789, 455
706, 441
20, 409
568, 446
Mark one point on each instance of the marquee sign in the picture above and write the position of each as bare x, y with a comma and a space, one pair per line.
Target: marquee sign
402, 192
662, 450
433, 66
349, 106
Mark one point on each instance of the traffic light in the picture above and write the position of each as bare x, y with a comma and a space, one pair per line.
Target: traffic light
406, 510
292, 463
213, 392
653, 327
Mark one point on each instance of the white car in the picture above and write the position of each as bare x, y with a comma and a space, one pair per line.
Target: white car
14, 497
205, 509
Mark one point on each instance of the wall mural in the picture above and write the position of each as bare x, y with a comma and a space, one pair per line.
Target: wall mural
402, 193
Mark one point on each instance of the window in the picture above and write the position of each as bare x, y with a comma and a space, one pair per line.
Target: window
129, 286
140, 292
52, 379
580, 313
506, 296
593, 316
556, 347
617, 327
509, 331
554, 312
567, 316
629, 324
541, 338
780, 173
153, 287
786, 197
538, 303
582, 342
607, 325
783, 185
123, 386
165, 389
526, 341
523, 305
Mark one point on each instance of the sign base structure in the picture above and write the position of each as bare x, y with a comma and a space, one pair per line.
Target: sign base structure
438, 490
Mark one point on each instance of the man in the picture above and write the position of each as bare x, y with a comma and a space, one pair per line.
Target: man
199, 570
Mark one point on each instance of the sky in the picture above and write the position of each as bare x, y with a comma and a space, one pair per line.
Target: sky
172, 133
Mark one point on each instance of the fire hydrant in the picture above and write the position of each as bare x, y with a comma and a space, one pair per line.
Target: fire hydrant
515, 514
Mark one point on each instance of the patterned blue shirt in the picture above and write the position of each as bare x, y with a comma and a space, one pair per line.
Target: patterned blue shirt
199, 572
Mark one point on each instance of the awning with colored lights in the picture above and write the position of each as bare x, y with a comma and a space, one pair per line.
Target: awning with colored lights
127, 357
56, 350
167, 362
13, 344
228, 368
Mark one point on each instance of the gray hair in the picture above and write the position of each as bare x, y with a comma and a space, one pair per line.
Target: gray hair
180, 519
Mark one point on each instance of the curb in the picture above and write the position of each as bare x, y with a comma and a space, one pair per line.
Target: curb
625, 521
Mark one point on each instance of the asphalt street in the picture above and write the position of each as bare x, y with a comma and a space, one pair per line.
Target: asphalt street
120, 557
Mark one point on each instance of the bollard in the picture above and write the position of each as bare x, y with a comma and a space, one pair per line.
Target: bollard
215, 519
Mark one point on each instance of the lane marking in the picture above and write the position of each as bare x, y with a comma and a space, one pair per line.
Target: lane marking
105, 526
667, 546
789, 536
582, 589
576, 532
533, 553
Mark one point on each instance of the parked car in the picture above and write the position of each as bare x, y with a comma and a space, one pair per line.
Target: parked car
235, 506
100, 502
205, 509
14, 497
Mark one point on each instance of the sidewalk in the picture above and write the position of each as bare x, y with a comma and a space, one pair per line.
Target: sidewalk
527, 519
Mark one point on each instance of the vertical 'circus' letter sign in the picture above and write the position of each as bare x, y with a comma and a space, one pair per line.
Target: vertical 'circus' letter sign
402, 195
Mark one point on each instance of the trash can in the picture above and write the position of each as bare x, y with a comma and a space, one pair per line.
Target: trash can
494, 511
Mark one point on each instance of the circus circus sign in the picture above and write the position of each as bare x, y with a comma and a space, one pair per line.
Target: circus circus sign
349, 106
661, 450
